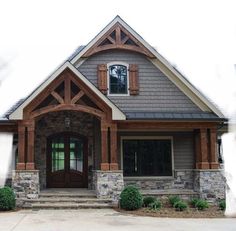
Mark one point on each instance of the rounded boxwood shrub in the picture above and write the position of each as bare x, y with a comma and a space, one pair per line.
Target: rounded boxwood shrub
156, 205
222, 205
7, 199
201, 204
180, 205
173, 200
130, 198
148, 200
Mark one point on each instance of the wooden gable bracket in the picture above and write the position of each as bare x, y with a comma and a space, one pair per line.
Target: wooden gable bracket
65, 102
118, 37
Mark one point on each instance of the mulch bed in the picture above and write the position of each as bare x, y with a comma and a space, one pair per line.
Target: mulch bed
211, 212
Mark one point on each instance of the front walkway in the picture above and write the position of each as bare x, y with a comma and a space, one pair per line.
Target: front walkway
103, 219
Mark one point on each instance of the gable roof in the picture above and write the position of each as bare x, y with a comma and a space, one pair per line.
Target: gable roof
159, 61
17, 113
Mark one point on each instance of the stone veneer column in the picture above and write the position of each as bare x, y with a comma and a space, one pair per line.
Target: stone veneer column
210, 184
108, 184
25, 184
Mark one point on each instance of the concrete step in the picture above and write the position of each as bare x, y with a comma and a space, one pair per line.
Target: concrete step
69, 206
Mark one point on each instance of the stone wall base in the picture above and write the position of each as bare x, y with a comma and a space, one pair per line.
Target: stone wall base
182, 179
25, 184
108, 184
210, 184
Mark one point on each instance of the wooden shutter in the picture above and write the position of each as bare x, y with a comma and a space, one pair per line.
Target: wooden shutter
133, 79
102, 78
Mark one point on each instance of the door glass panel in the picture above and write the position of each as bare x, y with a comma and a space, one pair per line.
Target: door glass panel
58, 154
76, 154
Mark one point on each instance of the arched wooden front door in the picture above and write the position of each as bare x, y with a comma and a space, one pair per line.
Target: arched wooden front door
67, 161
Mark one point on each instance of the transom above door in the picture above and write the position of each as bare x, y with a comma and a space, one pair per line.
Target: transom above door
67, 161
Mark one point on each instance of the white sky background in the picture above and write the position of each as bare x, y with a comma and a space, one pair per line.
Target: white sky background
198, 37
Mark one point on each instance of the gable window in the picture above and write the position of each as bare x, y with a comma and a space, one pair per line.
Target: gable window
118, 79
147, 157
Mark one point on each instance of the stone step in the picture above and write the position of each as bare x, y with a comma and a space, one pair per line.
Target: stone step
68, 206
67, 195
65, 199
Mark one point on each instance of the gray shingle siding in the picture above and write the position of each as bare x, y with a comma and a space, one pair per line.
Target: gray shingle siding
184, 151
157, 92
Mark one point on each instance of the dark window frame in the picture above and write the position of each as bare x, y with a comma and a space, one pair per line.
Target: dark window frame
140, 172
119, 91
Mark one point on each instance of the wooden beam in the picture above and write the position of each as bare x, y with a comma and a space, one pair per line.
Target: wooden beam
118, 43
212, 152
204, 162
72, 107
113, 147
124, 40
30, 165
77, 97
104, 146
57, 97
118, 35
67, 90
8, 128
111, 39
42, 96
21, 147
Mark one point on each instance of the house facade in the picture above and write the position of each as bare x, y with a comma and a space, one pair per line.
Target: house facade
116, 113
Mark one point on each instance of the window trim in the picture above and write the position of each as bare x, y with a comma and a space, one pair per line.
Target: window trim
147, 138
108, 78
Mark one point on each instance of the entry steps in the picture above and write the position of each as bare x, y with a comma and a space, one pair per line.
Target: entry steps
66, 199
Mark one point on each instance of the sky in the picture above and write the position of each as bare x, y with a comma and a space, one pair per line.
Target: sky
197, 37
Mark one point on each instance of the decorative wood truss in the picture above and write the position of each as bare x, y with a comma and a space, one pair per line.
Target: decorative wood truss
118, 38
67, 92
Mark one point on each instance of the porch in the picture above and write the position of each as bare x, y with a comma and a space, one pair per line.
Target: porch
71, 136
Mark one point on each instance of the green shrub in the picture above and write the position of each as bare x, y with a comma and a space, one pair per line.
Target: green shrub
130, 198
194, 202
222, 204
148, 200
156, 205
173, 200
180, 205
201, 204
7, 199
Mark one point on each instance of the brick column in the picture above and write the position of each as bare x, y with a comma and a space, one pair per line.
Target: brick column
104, 146
30, 165
212, 152
21, 146
113, 147
203, 150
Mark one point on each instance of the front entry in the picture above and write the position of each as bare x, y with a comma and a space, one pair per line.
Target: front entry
67, 161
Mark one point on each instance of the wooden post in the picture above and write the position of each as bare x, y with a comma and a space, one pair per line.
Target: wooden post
21, 147
213, 159
197, 147
30, 165
113, 147
104, 146
203, 158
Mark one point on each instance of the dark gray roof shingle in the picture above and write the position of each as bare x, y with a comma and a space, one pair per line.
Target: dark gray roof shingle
172, 115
